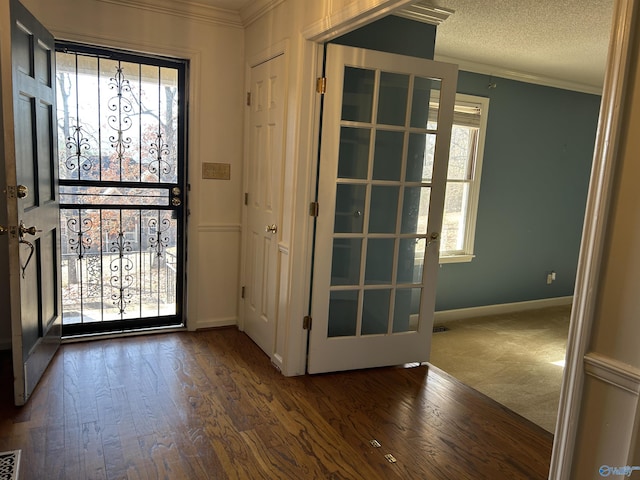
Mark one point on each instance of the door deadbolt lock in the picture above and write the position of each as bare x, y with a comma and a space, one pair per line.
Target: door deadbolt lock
22, 191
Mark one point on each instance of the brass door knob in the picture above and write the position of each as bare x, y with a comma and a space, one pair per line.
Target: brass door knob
22, 229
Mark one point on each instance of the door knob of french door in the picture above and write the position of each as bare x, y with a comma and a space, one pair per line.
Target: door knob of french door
271, 228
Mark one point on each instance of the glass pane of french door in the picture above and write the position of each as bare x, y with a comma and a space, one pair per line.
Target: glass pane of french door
381, 190
121, 162
382, 202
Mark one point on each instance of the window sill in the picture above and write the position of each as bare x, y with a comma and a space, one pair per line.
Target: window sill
456, 258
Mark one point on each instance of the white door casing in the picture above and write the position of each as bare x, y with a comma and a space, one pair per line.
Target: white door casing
264, 171
381, 191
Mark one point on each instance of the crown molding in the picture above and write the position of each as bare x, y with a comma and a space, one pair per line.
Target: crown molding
353, 16
185, 9
520, 76
422, 12
254, 10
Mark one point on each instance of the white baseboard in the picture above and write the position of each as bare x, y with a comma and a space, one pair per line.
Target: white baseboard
214, 323
446, 316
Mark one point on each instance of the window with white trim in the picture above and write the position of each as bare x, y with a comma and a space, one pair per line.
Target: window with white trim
463, 179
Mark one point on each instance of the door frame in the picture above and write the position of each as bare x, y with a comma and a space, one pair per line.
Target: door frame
192, 90
138, 325
596, 214
610, 124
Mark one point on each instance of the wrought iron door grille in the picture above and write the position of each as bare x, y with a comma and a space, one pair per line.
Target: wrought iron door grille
121, 161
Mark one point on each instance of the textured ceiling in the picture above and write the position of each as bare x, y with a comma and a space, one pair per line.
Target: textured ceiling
559, 40
564, 40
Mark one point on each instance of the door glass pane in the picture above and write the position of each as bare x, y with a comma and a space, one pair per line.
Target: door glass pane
375, 312
345, 264
387, 160
353, 160
411, 260
407, 310
415, 210
420, 157
357, 95
349, 208
379, 261
384, 209
93, 195
392, 101
343, 313
424, 106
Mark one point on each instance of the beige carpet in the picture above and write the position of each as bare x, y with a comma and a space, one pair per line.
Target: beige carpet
516, 359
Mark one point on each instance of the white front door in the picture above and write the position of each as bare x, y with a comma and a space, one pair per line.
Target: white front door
28, 152
386, 130
264, 185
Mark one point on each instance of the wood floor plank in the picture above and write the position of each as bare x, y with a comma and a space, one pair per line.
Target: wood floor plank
209, 405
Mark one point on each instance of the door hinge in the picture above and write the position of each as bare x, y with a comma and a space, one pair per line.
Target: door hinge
242, 292
246, 199
248, 99
306, 322
321, 85
314, 208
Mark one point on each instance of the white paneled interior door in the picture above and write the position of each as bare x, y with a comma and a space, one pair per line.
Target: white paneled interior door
264, 185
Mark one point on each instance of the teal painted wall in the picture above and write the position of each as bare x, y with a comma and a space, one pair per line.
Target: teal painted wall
394, 35
537, 162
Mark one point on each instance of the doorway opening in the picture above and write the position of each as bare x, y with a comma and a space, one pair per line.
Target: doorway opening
122, 159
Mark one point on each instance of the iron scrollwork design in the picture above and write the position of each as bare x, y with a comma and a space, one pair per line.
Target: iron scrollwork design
77, 143
83, 242
159, 151
122, 280
160, 239
120, 120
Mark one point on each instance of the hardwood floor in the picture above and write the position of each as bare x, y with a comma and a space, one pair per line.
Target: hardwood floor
209, 405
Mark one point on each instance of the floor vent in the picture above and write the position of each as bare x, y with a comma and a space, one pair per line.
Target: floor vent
9, 464
439, 328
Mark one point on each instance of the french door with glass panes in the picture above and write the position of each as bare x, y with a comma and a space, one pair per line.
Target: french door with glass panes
121, 130
382, 179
